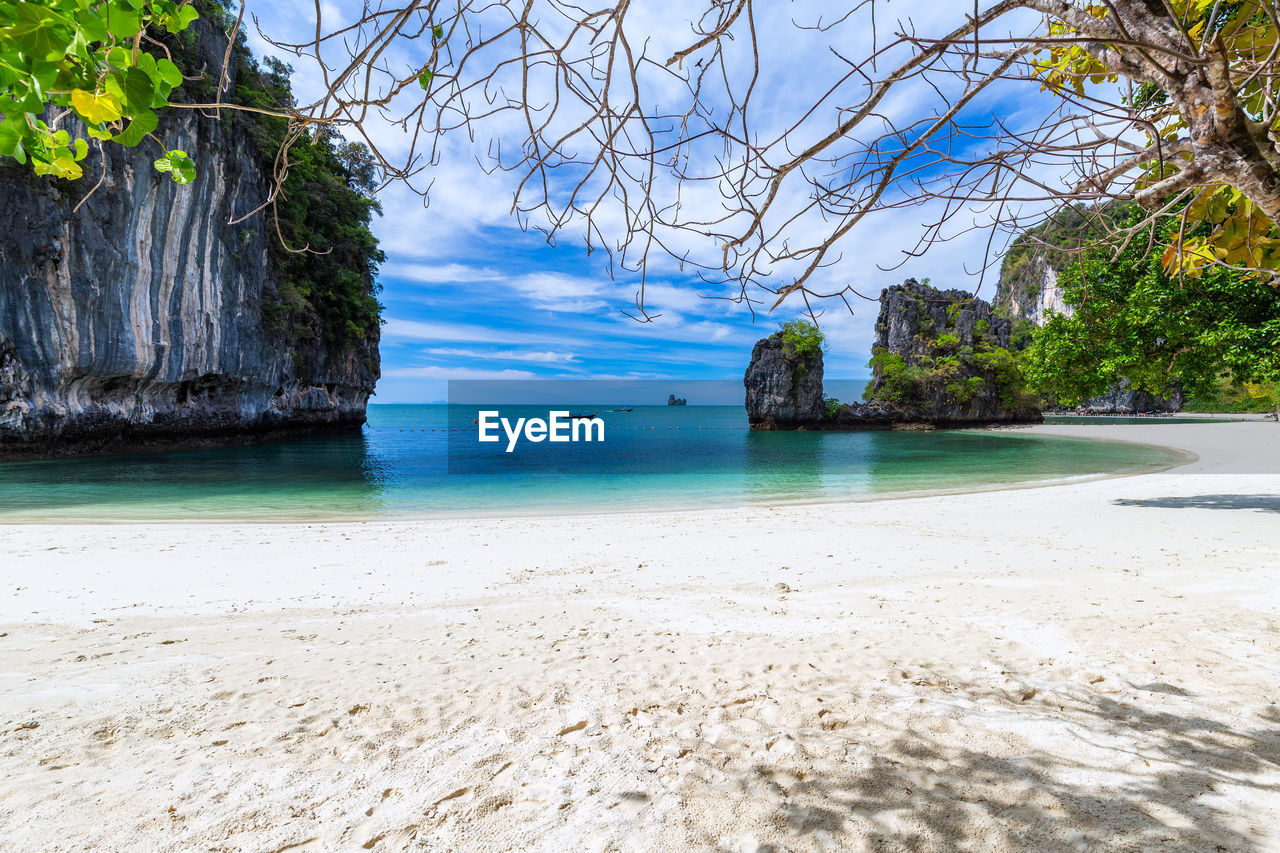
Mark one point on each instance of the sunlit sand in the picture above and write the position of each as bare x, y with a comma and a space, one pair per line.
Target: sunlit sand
1049, 668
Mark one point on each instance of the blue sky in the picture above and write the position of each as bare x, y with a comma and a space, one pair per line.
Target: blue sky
469, 295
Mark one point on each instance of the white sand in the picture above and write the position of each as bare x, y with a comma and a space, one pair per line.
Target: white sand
1084, 666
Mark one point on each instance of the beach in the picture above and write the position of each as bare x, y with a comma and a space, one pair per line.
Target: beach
1084, 665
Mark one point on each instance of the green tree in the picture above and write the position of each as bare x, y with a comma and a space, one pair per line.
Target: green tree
94, 61
1134, 320
803, 338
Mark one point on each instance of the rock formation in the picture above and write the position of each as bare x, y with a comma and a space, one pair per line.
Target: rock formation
784, 390
1122, 399
940, 359
673, 400
138, 319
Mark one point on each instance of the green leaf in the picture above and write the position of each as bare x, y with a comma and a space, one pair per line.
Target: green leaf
188, 14
34, 29
178, 23
139, 90
178, 165
122, 21
424, 79
11, 142
437, 32
147, 63
33, 101
118, 58
92, 24
142, 124
169, 72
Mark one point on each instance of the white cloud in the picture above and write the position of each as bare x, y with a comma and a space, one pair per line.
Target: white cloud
442, 372
419, 330
448, 273
539, 357
563, 293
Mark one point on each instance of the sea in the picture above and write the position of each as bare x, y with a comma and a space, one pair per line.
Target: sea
414, 461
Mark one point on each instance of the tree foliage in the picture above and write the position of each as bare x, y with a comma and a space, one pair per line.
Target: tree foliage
803, 339
96, 61
1132, 319
1205, 94
953, 374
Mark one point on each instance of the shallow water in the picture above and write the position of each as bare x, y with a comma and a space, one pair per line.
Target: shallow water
424, 461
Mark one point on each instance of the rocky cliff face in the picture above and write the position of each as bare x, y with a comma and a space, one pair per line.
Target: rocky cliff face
1122, 399
784, 391
941, 356
940, 359
1032, 292
138, 318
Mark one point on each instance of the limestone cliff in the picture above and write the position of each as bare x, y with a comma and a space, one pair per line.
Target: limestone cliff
139, 318
942, 357
1031, 292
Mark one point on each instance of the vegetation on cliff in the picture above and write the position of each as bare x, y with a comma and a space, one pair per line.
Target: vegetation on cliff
802, 339
949, 366
1133, 320
960, 373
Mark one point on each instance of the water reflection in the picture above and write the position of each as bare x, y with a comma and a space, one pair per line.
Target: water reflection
301, 477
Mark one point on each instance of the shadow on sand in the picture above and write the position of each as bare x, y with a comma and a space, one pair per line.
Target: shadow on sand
1259, 503
930, 791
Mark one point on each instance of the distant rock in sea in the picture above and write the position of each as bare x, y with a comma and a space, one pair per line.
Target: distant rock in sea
673, 400
940, 359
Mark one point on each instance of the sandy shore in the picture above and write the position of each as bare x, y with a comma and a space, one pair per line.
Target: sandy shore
1084, 666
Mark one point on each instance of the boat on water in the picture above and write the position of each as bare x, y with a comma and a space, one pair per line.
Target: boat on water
583, 415
620, 410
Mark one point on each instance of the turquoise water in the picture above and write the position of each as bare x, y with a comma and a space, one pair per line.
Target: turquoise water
408, 462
